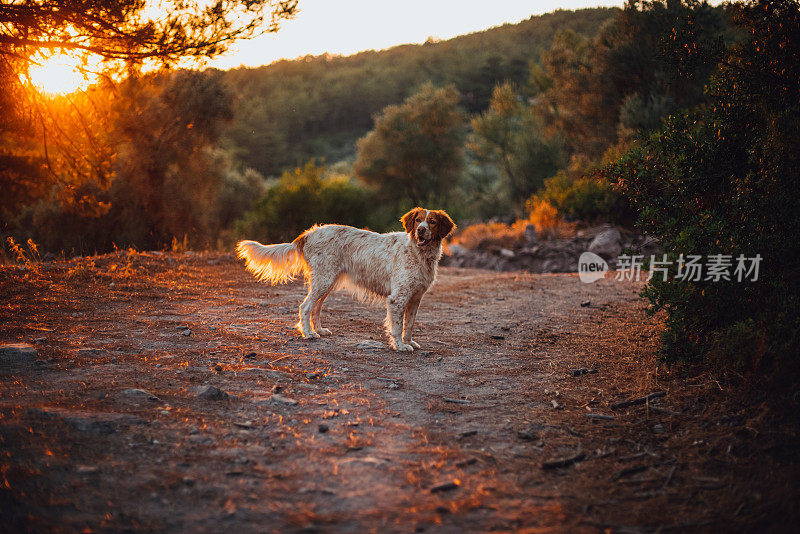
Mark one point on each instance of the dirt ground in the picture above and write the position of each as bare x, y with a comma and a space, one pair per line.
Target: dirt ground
485, 428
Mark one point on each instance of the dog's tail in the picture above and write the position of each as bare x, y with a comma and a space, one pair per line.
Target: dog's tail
274, 263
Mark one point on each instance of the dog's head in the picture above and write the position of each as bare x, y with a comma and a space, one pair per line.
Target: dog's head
427, 227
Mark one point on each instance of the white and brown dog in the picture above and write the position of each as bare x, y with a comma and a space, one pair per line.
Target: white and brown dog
398, 267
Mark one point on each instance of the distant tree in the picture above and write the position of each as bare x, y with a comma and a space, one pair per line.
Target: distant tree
168, 178
653, 58
124, 34
416, 148
477, 86
304, 197
163, 130
510, 135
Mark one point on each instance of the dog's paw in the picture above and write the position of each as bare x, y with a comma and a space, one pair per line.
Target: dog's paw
310, 335
414, 344
323, 331
402, 347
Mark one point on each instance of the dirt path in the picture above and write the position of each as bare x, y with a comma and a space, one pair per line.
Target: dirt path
328, 436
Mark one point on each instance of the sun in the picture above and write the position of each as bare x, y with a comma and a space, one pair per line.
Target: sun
58, 75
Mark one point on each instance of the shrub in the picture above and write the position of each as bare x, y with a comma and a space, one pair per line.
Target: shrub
303, 198
723, 180
579, 193
483, 236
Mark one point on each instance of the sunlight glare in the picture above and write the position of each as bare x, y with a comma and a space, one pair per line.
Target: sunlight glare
58, 75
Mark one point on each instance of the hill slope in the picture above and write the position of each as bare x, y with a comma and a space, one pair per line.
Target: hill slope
290, 111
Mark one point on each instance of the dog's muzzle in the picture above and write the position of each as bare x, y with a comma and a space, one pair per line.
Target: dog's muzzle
421, 240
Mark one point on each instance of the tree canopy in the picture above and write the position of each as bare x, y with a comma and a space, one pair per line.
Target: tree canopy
39, 151
416, 148
132, 30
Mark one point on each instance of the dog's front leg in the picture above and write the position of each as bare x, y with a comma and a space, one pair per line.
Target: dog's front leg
395, 309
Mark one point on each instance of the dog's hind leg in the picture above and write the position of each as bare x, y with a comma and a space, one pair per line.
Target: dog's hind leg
320, 287
315, 311
409, 318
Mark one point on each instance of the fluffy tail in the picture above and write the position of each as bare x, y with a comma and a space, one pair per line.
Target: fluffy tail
274, 263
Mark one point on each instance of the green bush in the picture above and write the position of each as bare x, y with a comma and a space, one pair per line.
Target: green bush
723, 180
303, 198
578, 193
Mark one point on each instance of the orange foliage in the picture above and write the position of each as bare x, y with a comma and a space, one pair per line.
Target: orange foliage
485, 235
544, 217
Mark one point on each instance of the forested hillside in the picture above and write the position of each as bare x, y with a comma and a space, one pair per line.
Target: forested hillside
317, 107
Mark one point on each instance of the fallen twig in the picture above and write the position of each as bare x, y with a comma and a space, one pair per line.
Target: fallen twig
447, 486
600, 416
281, 358
669, 476
630, 471
563, 462
583, 371
456, 401
663, 410
640, 400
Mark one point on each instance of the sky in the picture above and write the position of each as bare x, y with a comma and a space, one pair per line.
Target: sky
344, 27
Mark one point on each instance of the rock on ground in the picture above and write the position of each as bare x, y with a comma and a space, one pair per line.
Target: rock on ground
210, 393
11, 353
607, 244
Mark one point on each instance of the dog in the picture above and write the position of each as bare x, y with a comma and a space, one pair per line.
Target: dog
398, 267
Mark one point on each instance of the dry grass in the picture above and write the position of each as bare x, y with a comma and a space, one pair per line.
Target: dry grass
483, 236
544, 217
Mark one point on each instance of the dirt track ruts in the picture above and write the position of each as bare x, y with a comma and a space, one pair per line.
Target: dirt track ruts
450, 437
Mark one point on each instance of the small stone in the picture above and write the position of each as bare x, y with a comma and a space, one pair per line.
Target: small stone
91, 352
556, 405
280, 399
586, 303
86, 469
186, 332
209, 392
137, 395
658, 429
532, 432
370, 344
447, 486
11, 353
530, 235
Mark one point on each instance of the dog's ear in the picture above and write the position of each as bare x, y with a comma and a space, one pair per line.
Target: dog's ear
445, 224
408, 219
